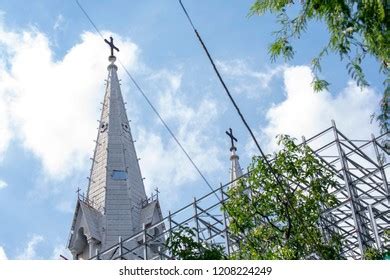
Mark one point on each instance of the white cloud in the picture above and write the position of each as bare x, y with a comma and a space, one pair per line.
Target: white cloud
60, 250
58, 24
162, 162
53, 105
29, 252
306, 113
3, 255
245, 80
3, 184
65, 205
5, 129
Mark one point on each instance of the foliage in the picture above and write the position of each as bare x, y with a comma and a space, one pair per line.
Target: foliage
386, 248
277, 219
387, 236
373, 254
183, 245
356, 28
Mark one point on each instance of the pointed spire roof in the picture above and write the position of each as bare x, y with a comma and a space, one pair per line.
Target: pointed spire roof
236, 170
115, 160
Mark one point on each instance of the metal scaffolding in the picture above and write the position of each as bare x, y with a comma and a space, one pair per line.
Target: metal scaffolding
360, 217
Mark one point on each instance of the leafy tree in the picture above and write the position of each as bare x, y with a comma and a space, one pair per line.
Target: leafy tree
274, 219
357, 28
387, 237
183, 246
384, 253
373, 254
386, 247
280, 218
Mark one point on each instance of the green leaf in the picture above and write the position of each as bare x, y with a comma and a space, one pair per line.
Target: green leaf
319, 85
356, 28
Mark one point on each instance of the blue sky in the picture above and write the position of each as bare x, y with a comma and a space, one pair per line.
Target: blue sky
52, 72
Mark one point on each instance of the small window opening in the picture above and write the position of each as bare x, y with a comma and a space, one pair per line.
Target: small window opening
119, 175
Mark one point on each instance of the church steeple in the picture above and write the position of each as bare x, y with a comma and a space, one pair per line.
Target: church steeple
116, 200
115, 161
235, 171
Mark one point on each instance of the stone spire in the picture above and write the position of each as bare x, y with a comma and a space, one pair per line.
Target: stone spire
115, 162
235, 171
116, 195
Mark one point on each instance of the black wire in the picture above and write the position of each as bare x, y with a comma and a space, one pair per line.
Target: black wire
153, 107
90, 20
228, 93
165, 124
278, 181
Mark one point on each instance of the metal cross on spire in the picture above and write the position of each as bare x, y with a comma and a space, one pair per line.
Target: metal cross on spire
232, 138
157, 192
112, 46
78, 192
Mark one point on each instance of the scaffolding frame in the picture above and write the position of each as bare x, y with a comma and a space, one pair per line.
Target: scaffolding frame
361, 216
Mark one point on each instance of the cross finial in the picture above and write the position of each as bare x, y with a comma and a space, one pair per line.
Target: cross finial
232, 139
157, 192
112, 46
78, 192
